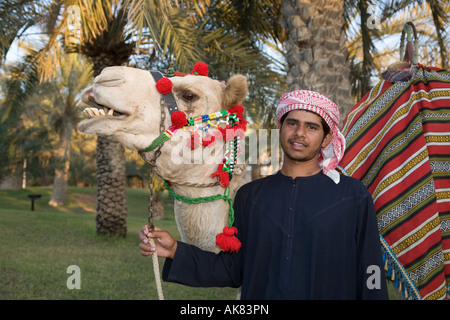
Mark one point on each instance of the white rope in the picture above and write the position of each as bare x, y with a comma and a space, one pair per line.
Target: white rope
156, 271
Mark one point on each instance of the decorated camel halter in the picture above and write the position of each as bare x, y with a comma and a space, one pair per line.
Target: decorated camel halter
230, 124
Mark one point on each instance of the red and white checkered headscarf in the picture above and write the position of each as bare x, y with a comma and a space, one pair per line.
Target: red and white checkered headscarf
329, 156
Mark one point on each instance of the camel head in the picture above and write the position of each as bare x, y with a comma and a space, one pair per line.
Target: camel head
131, 104
125, 103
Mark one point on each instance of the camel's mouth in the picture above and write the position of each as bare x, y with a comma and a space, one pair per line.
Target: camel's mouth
98, 110
103, 111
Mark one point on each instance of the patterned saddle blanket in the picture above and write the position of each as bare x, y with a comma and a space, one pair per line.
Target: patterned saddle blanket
398, 145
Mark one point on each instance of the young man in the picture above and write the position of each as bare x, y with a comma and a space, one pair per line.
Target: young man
307, 232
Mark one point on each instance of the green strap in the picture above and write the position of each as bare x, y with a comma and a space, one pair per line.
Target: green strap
225, 196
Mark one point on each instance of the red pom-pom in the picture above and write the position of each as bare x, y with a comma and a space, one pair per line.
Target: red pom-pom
227, 241
238, 109
164, 86
179, 119
200, 69
222, 175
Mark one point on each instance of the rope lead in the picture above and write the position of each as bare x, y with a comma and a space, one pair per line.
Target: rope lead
156, 271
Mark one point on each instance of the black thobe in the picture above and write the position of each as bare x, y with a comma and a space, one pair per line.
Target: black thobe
302, 238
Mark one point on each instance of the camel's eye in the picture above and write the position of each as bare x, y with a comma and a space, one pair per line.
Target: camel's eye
189, 96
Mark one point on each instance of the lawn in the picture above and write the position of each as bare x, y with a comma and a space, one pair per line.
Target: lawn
37, 247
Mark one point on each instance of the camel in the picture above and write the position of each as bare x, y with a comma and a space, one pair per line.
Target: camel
128, 104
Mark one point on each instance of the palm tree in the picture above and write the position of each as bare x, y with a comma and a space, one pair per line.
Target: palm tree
369, 56
425, 14
51, 108
23, 132
107, 45
64, 114
315, 49
109, 32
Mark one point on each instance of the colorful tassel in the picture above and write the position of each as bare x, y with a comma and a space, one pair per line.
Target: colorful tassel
222, 175
227, 241
165, 136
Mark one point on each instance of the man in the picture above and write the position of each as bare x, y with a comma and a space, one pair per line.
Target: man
307, 232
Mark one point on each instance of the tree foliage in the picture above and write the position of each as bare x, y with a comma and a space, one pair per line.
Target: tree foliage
231, 36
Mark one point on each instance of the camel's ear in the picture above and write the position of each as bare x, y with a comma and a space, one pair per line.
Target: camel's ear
235, 91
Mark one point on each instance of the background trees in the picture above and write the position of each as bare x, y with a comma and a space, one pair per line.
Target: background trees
338, 47
373, 31
116, 33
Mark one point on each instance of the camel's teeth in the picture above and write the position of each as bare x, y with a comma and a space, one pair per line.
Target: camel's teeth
88, 112
91, 112
95, 111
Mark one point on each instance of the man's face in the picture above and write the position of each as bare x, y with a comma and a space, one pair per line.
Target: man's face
302, 136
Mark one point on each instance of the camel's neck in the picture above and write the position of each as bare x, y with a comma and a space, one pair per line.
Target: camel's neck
201, 213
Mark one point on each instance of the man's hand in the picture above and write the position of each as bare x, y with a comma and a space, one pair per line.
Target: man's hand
165, 245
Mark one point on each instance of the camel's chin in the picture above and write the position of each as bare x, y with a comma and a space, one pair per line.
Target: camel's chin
108, 126
101, 125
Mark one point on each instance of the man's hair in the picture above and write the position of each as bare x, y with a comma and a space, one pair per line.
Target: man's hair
325, 126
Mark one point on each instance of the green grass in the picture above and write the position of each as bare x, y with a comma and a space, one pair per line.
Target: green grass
36, 247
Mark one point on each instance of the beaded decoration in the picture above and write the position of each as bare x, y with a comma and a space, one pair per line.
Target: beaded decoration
232, 133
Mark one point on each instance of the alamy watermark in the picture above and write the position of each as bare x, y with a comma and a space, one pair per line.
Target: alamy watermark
74, 280
373, 22
255, 147
374, 279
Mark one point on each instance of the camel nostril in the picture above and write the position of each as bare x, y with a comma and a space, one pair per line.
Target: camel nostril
109, 82
91, 97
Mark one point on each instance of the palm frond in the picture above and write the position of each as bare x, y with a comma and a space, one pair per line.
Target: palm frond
15, 18
172, 31
23, 78
440, 18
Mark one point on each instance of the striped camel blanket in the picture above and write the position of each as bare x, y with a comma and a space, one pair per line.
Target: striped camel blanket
398, 145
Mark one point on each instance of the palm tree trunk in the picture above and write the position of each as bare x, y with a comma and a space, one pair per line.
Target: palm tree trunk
59, 190
315, 49
13, 180
109, 48
112, 211
111, 197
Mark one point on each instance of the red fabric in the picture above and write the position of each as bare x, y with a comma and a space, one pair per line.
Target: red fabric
222, 175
